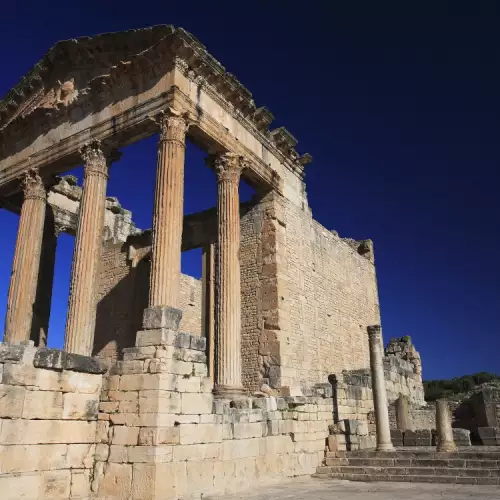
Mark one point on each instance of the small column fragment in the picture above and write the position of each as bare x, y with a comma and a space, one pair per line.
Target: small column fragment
81, 317
402, 413
378, 386
443, 427
168, 212
227, 373
26, 264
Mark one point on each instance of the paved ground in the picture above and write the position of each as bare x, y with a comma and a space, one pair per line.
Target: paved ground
332, 489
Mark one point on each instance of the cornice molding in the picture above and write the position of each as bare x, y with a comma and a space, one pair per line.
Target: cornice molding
188, 55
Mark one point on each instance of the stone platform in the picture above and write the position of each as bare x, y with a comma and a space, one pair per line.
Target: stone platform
471, 465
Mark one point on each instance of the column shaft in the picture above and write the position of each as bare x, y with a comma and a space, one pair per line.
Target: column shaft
402, 413
443, 427
168, 212
80, 322
42, 306
228, 289
26, 264
207, 306
379, 392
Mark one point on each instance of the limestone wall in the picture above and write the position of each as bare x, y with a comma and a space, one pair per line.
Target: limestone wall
123, 296
331, 297
48, 422
190, 303
162, 435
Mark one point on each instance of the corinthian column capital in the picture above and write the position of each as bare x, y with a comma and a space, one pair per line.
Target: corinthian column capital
228, 166
94, 159
33, 187
173, 126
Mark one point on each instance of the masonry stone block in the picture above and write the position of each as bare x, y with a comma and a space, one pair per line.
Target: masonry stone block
161, 317
124, 435
80, 456
11, 353
80, 485
188, 384
161, 336
196, 403
200, 433
200, 476
15, 459
150, 454
56, 485
116, 482
247, 430
43, 405
80, 406
166, 402
236, 449
198, 343
72, 381
101, 452
152, 436
118, 453
11, 401
46, 431
197, 452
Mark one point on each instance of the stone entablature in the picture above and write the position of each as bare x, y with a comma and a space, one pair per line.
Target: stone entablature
175, 70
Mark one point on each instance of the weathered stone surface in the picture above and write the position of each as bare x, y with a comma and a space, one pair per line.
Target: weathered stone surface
46, 431
52, 359
11, 401
80, 406
196, 403
43, 405
202, 433
84, 364
11, 353
55, 359
160, 336
161, 317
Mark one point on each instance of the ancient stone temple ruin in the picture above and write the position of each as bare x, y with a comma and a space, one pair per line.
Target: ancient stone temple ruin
168, 386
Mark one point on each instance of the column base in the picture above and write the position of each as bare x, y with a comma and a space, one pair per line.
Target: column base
446, 446
229, 392
161, 317
385, 447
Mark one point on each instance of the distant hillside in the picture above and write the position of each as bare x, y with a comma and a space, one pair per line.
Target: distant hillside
435, 389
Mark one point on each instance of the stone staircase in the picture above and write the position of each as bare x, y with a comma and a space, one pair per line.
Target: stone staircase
419, 466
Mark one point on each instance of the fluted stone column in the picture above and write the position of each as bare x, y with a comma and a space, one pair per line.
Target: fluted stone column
378, 387
26, 265
443, 427
42, 305
81, 317
164, 288
227, 282
207, 303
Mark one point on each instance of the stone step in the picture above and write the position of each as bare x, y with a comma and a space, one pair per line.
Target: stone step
414, 462
413, 471
462, 455
410, 478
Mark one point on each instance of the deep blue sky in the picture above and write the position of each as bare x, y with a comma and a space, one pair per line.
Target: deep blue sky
399, 108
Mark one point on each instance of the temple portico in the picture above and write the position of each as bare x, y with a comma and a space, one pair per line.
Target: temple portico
168, 385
